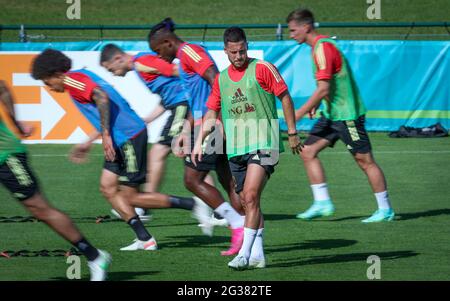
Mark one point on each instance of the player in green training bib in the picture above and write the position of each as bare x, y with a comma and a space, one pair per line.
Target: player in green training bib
342, 117
17, 177
245, 94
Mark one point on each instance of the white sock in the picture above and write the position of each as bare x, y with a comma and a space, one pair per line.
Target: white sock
257, 251
242, 220
233, 218
249, 239
383, 200
320, 192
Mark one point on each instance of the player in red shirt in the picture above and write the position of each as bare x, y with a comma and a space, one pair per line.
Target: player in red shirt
198, 71
249, 105
343, 118
124, 136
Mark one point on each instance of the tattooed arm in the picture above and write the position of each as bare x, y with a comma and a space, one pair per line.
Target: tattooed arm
102, 101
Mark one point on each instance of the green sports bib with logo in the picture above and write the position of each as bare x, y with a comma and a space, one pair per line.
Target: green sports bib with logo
249, 114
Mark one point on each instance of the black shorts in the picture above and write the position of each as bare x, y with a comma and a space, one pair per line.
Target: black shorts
352, 132
16, 175
174, 124
131, 161
239, 165
214, 151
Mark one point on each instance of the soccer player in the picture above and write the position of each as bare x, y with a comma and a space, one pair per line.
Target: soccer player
245, 94
343, 117
16, 175
124, 139
198, 70
162, 79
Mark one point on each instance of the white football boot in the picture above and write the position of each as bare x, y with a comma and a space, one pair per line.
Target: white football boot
99, 267
149, 245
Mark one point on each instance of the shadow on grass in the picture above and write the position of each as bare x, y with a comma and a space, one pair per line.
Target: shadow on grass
346, 218
153, 224
398, 216
322, 244
321, 219
356, 257
429, 213
192, 241
115, 276
278, 217
169, 224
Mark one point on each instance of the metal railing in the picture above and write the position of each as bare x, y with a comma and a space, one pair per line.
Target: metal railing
278, 28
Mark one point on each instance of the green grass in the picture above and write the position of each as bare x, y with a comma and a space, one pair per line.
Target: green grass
414, 247
118, 12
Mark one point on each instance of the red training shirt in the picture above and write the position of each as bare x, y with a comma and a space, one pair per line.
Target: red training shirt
327, 59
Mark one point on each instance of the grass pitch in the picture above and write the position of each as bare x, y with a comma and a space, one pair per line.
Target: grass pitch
415, 246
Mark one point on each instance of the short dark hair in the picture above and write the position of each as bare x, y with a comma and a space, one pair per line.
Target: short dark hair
300, 16
50, 62
162, 28
109, 51
234, 34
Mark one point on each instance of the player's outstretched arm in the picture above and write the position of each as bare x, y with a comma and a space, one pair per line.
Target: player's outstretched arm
321, 92
102, 101
78, 154
289, 116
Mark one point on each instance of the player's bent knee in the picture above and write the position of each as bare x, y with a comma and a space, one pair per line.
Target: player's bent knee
364, 161
107, 191
251, 199
191, 182
308, 153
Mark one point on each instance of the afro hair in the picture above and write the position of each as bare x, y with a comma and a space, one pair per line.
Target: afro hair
50, 62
